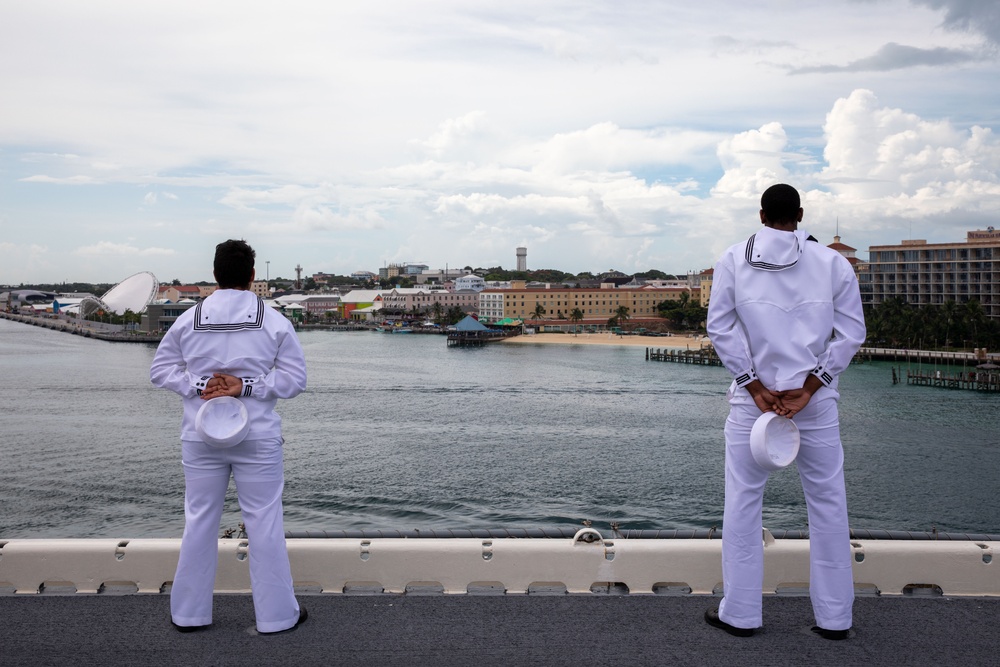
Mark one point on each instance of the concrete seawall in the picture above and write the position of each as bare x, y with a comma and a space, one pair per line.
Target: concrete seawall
56, 323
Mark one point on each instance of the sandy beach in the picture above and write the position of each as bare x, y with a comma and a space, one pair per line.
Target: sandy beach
677, 342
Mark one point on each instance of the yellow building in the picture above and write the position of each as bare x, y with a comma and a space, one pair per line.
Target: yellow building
260, 288
705, 291
559, 303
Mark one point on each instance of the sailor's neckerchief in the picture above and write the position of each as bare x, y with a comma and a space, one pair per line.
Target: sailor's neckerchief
775, 250
229, 314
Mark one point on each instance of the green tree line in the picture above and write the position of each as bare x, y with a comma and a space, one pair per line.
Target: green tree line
684, 313
896, 323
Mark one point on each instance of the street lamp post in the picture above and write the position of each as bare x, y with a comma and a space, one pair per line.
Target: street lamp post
268, 267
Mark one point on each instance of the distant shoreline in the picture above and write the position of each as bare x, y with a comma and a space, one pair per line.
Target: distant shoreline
607, 338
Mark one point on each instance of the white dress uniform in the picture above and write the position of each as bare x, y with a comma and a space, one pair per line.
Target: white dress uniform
233, 332
783, 307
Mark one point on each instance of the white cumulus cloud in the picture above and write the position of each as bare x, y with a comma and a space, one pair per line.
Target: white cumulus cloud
109, 248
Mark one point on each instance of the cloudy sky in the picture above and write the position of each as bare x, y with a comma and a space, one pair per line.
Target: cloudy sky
345, 136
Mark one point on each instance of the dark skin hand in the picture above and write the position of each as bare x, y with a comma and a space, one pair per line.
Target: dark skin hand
222, 384
794, 400
786, 403
766, 400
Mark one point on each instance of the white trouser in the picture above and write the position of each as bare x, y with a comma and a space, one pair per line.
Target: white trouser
257, 467
821, 469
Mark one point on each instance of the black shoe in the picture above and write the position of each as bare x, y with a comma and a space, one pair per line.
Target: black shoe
303, 615
833, 635
190, 628
712, 618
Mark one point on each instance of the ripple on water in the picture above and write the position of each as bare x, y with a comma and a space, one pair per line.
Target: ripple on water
399, 432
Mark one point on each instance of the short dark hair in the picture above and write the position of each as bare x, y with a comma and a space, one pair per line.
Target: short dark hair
780, 203
234, 264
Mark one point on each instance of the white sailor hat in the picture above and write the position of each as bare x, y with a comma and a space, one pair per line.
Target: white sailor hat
774, 441
222, 421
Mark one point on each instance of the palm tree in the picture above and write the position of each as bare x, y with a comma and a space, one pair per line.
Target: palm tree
975, 319
539, 311
575, 318
622, 316
948, 313
438, 311
893, 318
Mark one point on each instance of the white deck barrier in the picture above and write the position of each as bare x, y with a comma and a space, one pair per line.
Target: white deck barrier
511, 565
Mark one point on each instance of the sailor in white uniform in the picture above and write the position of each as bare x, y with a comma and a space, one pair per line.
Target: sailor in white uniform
785, 318
231, 344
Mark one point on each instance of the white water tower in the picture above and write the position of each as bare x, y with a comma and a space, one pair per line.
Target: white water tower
522, 259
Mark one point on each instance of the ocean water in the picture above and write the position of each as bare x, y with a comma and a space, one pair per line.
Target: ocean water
401, 432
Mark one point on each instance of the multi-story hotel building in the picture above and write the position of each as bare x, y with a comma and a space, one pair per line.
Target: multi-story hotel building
558, 303
410, 299
932, 273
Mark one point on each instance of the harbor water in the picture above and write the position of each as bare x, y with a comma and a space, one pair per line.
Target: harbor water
401, 432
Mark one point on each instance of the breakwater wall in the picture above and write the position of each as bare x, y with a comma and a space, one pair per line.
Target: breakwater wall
106, 332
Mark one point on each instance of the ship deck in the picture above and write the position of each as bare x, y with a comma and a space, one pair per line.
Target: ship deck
493, 630
631, 599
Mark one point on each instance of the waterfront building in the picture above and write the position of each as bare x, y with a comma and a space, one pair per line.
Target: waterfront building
402, 299
370, 313
159, 316
925, 274
358, 299
861, 269
65, 304
317, 305
16, 299
405, 269
421, 300
323, 278
440, 276
261, 289
470, 282
849, 253
704, 290
615, 277
670, 282
364, 276
177, 292
673, 294
559, 302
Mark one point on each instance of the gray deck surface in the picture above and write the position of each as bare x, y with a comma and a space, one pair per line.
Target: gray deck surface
484, 630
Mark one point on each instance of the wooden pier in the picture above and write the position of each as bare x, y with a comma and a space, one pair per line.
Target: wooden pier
478, 338
976, 380
926, 356
702, 357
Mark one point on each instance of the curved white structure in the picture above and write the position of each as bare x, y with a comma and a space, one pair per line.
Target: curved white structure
134, 293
